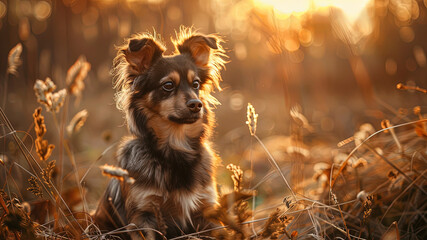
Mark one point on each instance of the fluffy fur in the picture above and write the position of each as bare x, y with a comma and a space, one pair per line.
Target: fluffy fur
167, 102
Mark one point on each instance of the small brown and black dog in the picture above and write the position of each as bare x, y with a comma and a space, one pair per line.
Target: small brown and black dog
167, 101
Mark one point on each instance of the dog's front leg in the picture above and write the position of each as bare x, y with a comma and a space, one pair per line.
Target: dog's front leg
143, 211
147, 223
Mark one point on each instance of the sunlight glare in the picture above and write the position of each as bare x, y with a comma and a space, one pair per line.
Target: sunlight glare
351, 8
287, 7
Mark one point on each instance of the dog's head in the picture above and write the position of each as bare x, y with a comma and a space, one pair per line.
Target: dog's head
172, 89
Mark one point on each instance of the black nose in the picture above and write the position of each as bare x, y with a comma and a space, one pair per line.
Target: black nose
194, 105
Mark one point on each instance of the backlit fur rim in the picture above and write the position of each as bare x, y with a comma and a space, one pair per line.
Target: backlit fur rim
123, 74
216, 60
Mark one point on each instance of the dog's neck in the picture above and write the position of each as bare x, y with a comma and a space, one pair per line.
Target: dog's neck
166, 134
180, 137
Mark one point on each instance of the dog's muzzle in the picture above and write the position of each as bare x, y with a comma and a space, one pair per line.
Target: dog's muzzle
195, 105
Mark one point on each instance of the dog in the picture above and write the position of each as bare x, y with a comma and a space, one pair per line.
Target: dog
168, 104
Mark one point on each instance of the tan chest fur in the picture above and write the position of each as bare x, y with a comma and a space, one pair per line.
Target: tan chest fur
180, 205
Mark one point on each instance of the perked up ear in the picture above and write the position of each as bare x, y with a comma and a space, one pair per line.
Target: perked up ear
199, 47
141, 53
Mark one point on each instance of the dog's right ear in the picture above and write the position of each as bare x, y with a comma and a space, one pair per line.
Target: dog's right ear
142, 53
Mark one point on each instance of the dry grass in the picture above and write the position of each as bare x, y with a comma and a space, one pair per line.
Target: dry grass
375, 190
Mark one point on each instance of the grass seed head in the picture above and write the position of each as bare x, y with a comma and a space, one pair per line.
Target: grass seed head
360, 162
47, 173
39, 126
365, 130
45, 95
77, 122
252, 119
299, 118
14, 59
237, 176
58, 99
367, 205
118, 173
44, 92
76, 74
35, 187
43, 148
345, 141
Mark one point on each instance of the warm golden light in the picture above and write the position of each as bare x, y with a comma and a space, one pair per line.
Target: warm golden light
286, 6
42, 10
350, 19
351, 8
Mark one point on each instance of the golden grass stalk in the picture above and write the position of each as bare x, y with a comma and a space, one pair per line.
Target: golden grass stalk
43, 90
39, 126
43, 148
335, 200
45, 95
345, 141
345, 162
252, 119
402, 86
386, 124
58, 99
35, 187
379, 155
365, 130
402, 193
237, 176
300, 119
76, 75
252, 122
118, 173
14, 59
77, 122
47, 173
35, 165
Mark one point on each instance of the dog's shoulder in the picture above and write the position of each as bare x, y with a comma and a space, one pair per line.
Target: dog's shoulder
133, 151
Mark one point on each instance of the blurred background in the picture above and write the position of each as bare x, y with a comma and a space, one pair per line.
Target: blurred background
335, 63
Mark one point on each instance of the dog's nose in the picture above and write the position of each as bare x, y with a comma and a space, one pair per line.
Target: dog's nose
195, 105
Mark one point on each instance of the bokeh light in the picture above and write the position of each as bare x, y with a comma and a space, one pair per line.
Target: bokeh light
3, 9
42, 10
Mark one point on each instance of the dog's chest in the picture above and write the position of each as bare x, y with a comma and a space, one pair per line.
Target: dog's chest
166, 169
179, 205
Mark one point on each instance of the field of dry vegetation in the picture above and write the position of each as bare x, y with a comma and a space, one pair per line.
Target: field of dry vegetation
322, 129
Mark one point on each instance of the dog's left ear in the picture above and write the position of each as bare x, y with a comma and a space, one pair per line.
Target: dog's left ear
199, 47
142, 53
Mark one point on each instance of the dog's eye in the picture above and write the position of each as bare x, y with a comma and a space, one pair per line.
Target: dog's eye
196, 84
168, 86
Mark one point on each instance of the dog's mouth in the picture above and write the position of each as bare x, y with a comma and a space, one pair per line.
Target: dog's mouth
184, 120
